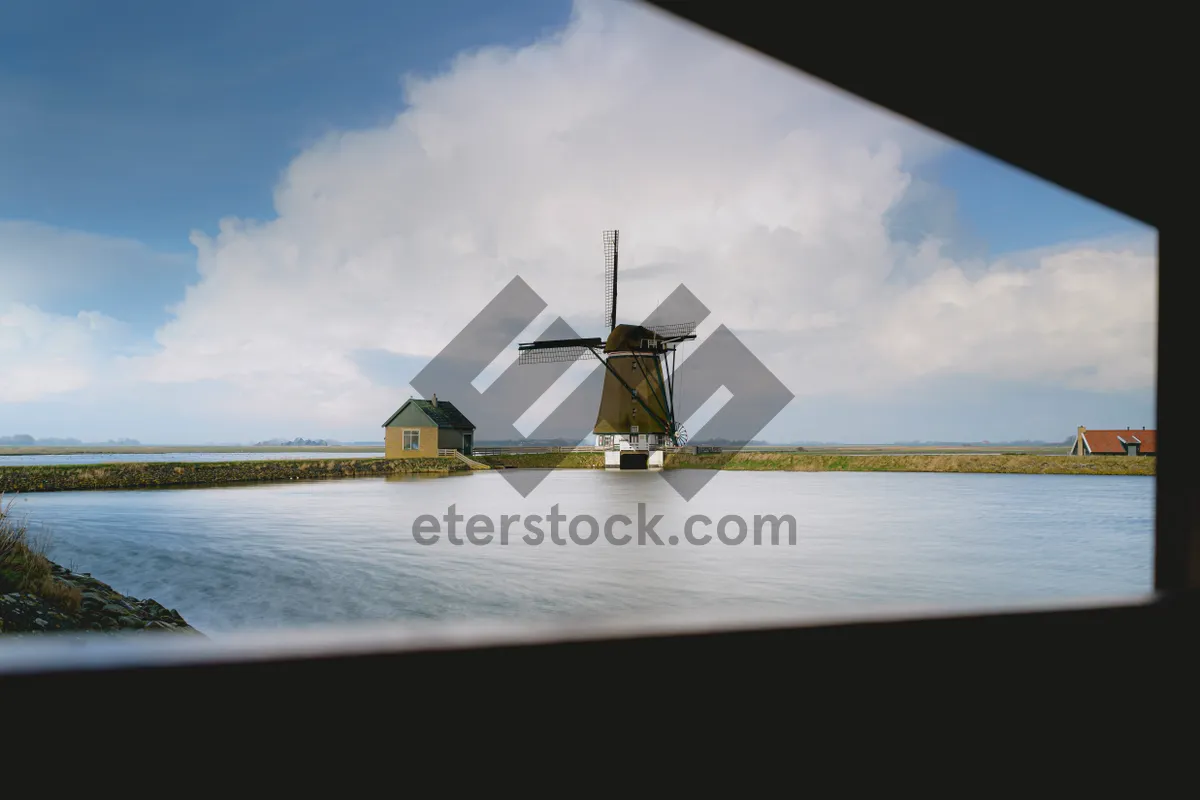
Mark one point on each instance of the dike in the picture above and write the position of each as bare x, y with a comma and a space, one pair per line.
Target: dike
1014, 464
819, 462
75, 477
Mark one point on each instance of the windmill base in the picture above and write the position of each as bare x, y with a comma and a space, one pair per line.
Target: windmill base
633, 459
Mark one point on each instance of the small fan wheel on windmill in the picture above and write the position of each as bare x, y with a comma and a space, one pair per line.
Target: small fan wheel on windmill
679, 435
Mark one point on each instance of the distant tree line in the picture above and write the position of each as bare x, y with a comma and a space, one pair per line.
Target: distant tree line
25, 440
297, 442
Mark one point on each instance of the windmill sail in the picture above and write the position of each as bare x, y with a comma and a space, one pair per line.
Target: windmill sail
678, 330
610, 279
558, 350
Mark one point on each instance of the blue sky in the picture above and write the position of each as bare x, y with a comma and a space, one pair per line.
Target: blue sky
146, 121
1012, 210
127, 126
111, 109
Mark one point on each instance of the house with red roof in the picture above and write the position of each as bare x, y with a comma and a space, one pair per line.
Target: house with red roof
1128, 442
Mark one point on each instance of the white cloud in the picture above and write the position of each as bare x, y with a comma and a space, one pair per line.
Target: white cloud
764, 192
1082, 319
44, 354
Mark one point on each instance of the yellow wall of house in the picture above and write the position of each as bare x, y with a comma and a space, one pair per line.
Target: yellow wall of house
393, 443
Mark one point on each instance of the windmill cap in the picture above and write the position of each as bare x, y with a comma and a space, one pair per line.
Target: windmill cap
629, 337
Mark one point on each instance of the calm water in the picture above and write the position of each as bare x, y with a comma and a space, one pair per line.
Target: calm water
111, 458
260, 556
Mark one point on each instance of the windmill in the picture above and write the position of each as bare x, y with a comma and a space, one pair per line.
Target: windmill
637, 403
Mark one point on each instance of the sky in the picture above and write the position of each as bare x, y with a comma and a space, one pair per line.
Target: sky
233, 221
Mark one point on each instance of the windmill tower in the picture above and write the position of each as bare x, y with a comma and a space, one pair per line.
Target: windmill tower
636, 417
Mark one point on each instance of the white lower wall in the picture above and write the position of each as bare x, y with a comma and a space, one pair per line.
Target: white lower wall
612, 459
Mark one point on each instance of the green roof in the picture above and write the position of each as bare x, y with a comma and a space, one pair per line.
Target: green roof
443, 415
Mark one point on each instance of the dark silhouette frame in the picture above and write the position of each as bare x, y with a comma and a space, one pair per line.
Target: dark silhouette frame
1050, 110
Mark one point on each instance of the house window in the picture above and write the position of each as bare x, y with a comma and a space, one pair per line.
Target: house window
412, 440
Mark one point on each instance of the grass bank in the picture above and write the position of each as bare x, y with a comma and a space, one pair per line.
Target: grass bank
821, 462
1017, 464
545, 460
72, 477
24, 567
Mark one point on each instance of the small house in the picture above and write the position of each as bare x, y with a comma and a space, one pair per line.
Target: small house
1127, 442
422, 427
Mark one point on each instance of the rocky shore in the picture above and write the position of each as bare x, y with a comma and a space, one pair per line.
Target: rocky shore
101, 609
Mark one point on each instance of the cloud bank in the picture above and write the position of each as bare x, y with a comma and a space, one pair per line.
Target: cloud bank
46, 354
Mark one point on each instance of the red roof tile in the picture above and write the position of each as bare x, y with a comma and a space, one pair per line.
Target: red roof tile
1105, 442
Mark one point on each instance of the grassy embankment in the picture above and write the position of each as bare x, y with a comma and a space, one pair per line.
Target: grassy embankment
544, 460
1019, 464
808, 462
24, 566
69, 477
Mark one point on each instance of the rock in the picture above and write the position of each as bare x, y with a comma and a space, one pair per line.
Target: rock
102, 608
153, 608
